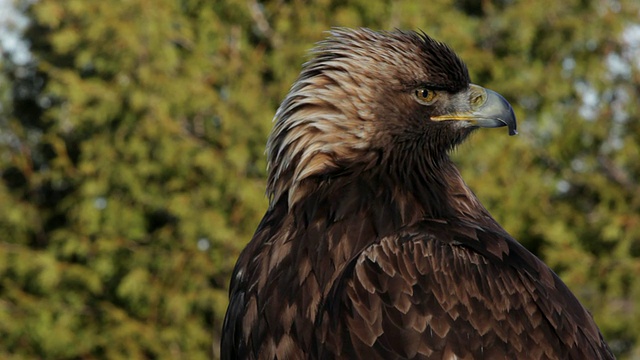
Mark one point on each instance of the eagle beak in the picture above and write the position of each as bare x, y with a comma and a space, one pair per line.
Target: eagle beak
482, 108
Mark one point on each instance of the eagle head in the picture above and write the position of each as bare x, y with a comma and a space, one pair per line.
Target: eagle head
369, 99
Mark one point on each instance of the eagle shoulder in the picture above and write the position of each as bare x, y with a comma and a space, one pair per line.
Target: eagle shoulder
439, 290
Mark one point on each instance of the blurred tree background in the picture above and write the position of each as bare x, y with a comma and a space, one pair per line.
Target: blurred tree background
132, 156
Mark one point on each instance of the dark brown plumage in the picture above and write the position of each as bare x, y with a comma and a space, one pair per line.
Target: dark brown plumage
373, 247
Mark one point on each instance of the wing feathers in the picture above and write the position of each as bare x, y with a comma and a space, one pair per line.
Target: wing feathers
408, 292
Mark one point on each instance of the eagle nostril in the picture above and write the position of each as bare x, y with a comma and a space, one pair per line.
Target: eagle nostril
478, 100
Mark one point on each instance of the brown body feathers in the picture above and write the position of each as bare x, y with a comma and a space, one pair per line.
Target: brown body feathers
373, 247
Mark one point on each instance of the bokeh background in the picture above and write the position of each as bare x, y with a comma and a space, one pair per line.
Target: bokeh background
132, 166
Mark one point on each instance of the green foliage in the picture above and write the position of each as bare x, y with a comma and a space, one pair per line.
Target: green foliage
133, 169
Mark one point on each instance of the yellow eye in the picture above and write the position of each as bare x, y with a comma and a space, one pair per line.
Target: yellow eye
425, 96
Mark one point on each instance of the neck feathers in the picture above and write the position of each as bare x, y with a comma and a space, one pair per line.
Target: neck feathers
391, 195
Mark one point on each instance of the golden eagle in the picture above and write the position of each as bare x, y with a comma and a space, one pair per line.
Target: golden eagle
373, 247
